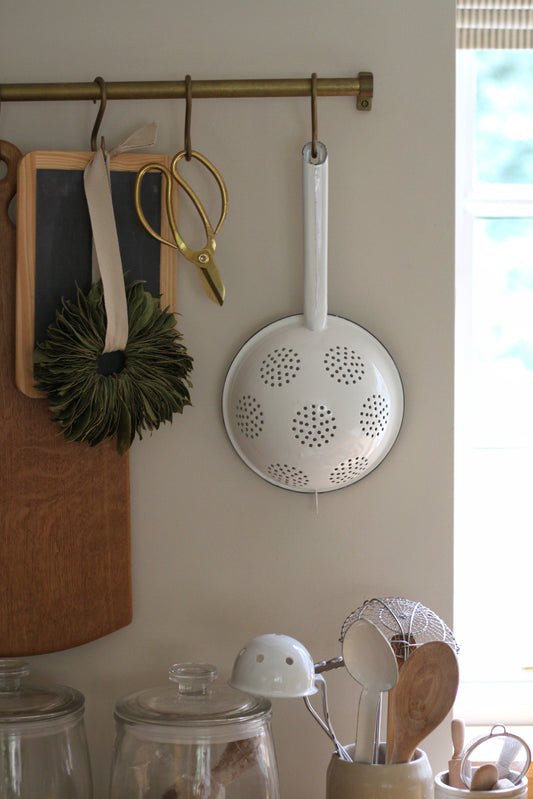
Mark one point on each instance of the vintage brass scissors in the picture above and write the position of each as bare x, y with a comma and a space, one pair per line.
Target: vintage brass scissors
203, 259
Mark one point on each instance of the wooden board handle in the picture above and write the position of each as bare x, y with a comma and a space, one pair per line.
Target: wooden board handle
10, 155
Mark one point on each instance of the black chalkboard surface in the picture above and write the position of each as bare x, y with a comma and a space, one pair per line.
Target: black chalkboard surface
54, 245
63, 240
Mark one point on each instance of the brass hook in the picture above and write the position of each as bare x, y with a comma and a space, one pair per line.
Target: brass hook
103, 103
188, 110
314, 122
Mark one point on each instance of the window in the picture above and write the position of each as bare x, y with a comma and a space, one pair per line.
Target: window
493, 622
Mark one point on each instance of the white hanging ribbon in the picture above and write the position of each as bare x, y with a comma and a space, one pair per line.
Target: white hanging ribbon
97, 182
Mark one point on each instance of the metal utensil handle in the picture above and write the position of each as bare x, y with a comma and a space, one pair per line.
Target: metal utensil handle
325, 723
329, 665
315, 209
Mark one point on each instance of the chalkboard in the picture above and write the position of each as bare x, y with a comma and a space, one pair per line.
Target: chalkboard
54, 240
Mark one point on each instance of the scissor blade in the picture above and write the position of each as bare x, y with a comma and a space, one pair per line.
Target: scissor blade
212, 283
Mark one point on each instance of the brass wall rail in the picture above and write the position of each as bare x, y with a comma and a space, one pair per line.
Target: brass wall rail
360, 87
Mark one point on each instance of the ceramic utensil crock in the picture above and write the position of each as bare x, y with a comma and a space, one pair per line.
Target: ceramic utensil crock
413, 780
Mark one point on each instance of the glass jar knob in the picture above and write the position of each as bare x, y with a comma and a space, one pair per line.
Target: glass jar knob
11, 673
193, 678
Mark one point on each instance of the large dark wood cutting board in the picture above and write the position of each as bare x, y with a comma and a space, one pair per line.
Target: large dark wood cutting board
65, 571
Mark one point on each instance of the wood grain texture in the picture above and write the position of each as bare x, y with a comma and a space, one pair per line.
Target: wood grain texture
423, 696
65, 570
26, 245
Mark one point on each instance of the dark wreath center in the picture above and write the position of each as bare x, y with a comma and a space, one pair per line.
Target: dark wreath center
110, 363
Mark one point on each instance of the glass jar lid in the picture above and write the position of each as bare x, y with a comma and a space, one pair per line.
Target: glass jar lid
191, 699
22, 701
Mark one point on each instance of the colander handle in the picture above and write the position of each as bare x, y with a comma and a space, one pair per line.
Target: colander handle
315, 210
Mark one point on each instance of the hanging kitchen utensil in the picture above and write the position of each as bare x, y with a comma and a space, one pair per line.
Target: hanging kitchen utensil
64, 508
203, 259
423, 696
313, 402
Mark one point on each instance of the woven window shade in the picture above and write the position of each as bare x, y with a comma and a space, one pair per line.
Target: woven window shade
489, 24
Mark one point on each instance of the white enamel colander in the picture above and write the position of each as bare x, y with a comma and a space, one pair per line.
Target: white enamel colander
313, 402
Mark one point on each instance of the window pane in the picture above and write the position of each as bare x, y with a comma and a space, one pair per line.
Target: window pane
494, 423
504, 116
494, 542
502, 332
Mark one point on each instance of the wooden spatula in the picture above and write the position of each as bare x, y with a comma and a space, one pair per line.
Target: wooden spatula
423, 696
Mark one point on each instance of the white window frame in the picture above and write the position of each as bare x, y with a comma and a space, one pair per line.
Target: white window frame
479, 703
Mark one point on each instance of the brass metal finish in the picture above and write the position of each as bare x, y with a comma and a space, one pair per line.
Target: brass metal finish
204, 259
101, 110
360, 86
366, 91
188, 112
314, 115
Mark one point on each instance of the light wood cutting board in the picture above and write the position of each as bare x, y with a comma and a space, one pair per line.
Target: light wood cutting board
65, 570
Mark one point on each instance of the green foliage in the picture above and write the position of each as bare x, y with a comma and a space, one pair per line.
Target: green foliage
151, 385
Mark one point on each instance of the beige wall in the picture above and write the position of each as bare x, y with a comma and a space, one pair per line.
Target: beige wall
219, 555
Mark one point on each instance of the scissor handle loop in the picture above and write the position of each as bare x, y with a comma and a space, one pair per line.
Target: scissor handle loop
171, 175
185, 186
155, 167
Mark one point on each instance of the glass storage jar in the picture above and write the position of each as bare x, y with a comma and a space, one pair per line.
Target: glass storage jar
43, 747
192, 739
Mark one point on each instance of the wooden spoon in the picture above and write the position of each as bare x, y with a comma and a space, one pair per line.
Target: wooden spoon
402, 648
484, 778
424, 694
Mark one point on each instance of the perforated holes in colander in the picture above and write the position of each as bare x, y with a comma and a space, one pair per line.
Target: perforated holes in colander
347, 470
374, 415
288, 475
344, 365
279, 367
314, 425
249, 416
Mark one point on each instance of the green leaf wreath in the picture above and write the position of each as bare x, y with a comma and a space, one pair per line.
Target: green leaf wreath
95, 396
